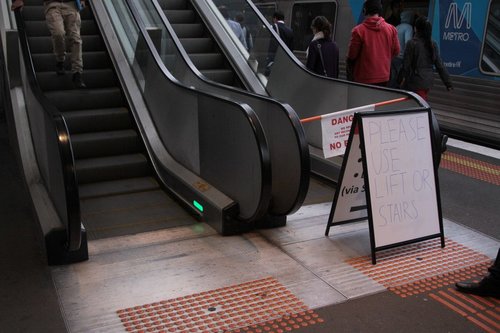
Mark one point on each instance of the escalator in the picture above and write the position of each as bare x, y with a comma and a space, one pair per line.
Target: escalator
199, 43
288, 148
121, 157
116, 182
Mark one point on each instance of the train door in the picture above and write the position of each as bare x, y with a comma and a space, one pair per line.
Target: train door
302, 15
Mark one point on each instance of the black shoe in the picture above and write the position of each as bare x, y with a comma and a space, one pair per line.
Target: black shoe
60, 68
78, 81
488, 287
444, 140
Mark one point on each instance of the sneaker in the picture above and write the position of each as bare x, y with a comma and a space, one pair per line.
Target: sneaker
78, 81
60, 68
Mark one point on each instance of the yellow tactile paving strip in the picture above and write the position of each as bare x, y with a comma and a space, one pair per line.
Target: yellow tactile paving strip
425, 263
257, 306
471, 167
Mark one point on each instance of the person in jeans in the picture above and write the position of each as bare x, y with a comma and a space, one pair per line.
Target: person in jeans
63, 20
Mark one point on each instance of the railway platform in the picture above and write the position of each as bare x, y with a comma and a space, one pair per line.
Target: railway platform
288, 279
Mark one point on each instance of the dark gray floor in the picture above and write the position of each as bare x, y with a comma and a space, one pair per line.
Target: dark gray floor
469, 201
28, 298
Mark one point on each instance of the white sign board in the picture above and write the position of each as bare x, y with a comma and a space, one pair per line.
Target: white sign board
335, 129
401, 181
351, 197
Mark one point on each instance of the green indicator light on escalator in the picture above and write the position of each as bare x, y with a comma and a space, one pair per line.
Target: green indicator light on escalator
198, 205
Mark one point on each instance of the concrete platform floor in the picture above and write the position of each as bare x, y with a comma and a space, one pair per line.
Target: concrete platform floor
326, 283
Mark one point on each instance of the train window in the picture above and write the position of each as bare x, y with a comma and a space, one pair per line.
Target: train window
267, 9
490, 60
302, 16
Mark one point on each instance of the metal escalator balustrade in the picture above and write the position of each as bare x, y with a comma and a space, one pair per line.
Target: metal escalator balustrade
288, 148
210, 145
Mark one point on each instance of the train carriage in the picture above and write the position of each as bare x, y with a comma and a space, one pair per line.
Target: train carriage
468, 36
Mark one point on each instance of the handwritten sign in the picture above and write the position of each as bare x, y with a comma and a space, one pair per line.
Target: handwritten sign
335, 129
350, 198
402, 191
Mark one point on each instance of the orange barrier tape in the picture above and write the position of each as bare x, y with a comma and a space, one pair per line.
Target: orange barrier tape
391, 101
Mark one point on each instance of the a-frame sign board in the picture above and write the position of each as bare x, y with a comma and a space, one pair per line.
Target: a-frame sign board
388, 176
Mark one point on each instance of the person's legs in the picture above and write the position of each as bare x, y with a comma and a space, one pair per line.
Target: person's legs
488, 286
72, 24
55, 23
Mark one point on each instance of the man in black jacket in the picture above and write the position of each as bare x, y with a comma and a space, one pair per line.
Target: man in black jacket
286, 35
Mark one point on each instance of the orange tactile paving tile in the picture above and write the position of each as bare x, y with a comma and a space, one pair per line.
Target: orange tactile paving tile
482, 311
471, 167
422, 267
257, 306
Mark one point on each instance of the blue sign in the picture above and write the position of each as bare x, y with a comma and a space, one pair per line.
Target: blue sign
460, 29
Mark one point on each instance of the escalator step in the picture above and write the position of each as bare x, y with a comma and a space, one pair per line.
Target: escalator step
82, 121
132, 213
224, 76
207, 60
78, 99
94, 78
189, 30
43, 44
117, 187
198, 45
173, 4
39, 28
46, 62
93, 170
180, 16
99, 144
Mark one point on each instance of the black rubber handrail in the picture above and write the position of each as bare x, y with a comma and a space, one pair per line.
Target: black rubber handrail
74, 233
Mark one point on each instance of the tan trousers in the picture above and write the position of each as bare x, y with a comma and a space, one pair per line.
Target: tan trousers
63, 21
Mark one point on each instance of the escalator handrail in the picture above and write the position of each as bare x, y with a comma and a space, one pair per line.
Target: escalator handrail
253, 120
291, 114
72, 197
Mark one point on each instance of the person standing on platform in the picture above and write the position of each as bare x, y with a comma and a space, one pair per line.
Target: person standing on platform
246, 32
405, 33
323, 53
64, 22
420, 57
235, 26
372, 46
489, 285
396, 10
286, 35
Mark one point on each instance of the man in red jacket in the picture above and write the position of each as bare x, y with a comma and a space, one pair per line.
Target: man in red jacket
372, 46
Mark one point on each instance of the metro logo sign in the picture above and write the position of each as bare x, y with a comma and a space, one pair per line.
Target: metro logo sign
458, 18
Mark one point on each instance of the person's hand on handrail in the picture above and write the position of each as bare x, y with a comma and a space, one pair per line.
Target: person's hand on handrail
17, 4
